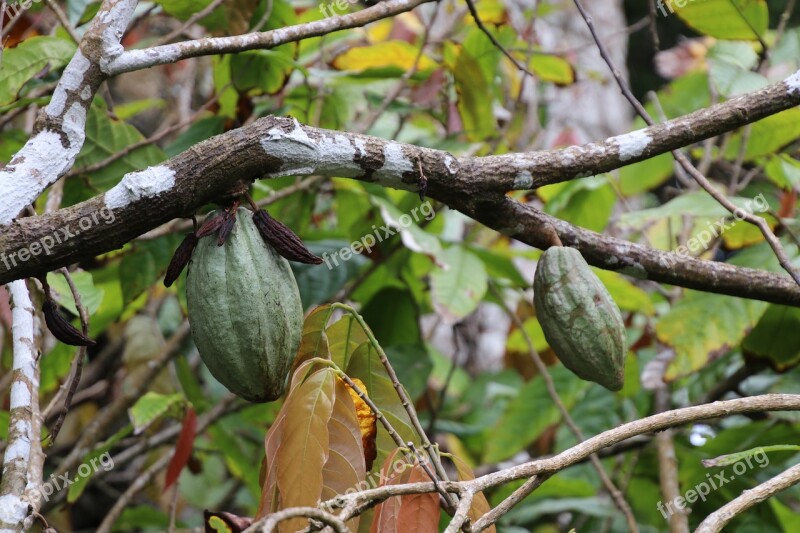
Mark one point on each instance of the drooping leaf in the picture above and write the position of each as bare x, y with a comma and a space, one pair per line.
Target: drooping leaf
344, 337
365, 365
314, 342
183, 447
304, 449
345, 468
529, 413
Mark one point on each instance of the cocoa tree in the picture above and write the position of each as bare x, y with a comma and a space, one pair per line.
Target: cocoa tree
425, 152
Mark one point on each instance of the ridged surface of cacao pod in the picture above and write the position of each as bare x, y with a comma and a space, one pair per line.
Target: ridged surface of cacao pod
580, 320
245, 311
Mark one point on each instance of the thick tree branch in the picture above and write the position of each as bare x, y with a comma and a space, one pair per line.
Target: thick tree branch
275, 146
59, 132
21, 450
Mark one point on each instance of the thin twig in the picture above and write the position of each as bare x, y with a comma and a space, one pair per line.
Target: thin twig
270, 522
191, 20
404, 399
77, 362
495, 42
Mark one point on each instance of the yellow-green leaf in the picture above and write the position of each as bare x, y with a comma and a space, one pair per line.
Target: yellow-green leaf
724, 19
552, 68
398, 55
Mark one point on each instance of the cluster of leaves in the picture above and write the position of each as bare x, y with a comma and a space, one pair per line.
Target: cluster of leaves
438, 269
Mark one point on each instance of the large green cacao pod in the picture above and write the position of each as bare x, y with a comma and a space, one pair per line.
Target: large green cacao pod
245, 311
580, 320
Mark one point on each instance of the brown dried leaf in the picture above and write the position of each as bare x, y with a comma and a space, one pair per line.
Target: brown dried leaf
345, 469
304, 449
480, 506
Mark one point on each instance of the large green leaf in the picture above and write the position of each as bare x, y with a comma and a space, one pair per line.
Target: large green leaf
769, 338
23, 62
704, 326
724, 19
106, 137
530, 413
141, 268
457, 288
768, 135
585, 202
365, 365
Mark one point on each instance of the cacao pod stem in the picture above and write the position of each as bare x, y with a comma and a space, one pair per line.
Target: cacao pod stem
180, 259
280, 237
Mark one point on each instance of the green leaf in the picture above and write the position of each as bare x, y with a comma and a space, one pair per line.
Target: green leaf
151, 407
91, 296
401, 326
704, 326
645, 175
106, 137
317, 283
365, 365
413, 365
474, 105
457, 288
552, 68
767, 135
769, 339
724, 19
27, 59
140, 269
585, 202
265, 70
530, 413
201, 130
628, 296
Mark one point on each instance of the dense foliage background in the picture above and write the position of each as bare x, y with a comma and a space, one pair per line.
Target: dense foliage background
448, 300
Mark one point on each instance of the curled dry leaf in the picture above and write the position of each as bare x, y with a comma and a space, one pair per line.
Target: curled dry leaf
61, 328
180, 259
280, 237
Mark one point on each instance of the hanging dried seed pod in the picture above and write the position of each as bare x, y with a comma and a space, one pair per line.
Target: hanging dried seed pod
60, 326
280, 237
180, 259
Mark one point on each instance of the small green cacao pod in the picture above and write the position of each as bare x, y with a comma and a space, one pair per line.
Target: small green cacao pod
580, 320
245, 311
